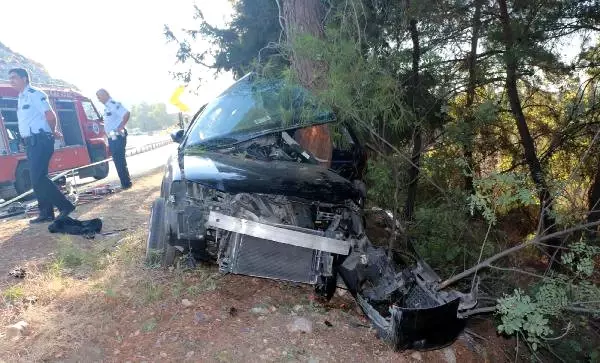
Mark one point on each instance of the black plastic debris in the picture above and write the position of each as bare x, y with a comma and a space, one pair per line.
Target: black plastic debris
68, 225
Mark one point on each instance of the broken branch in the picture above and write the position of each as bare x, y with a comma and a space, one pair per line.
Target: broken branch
488, 261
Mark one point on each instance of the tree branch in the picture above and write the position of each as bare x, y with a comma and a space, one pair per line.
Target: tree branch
488, 261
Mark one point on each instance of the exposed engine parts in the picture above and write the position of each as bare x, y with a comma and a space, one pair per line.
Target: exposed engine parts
292, 239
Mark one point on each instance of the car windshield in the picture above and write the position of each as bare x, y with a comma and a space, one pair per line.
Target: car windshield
252, 107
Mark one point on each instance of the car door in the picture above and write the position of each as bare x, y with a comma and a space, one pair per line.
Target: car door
71, 150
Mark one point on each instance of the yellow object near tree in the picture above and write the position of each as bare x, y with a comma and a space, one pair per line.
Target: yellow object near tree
175, 101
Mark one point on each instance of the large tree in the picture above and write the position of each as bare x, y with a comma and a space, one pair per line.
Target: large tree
304, 18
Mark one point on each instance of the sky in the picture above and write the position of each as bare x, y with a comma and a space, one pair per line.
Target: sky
112, 44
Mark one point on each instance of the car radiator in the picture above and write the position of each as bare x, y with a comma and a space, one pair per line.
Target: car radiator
258, 257
263, 250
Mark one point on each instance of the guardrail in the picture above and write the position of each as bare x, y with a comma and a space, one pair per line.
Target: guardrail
136, 151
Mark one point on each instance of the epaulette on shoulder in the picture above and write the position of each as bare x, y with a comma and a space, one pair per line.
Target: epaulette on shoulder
31, 90
113, 102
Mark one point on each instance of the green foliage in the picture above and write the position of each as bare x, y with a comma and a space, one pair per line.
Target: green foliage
533, 315
520, 314
253, 34
581, 258
151, 117
13, 294
380, 181
499, 193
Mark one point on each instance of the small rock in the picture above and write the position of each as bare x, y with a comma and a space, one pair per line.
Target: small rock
259, 311
116, 352
417, 356
137, 332
298, 308
199, 317
58, 355
189, 354
17, 330
31, 299
186, 303
163, 354
273, 309
301, 325
313, 360
449, 355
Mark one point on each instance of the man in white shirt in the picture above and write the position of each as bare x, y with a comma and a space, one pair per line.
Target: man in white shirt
38, 128
116, 117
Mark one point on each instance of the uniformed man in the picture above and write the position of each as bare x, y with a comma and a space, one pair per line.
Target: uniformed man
116, 117
38, 128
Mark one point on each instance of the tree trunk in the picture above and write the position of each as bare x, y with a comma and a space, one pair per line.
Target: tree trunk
305, 17
471, 88
535, 167
413, 170
594, 203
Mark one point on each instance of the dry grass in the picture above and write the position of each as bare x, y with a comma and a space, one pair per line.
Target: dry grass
70, 300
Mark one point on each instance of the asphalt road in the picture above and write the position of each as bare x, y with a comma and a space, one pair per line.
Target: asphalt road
138, 165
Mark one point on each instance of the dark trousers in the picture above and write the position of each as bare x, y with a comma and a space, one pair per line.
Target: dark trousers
40, 148
117, 149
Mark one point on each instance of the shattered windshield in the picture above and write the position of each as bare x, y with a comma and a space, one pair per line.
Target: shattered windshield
252, 107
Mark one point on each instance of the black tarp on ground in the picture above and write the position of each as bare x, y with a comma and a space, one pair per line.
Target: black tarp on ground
68, 225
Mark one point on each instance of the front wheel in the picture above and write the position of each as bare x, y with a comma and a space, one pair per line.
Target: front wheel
157, 237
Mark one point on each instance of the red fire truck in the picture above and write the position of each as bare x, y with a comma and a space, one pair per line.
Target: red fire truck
84, 140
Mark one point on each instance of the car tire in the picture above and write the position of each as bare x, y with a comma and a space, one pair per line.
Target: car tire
157, 236
101, 170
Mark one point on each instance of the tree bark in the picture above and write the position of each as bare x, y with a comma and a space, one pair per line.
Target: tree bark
535, 167
305, 17
413, 170
594, 203
471, 88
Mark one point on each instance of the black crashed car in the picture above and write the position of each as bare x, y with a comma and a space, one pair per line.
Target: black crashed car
240, 191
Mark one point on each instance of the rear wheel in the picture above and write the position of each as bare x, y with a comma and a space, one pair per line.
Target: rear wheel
100, 170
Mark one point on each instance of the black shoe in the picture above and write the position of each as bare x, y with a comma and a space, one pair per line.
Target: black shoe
41, 219
128, 186
65, 213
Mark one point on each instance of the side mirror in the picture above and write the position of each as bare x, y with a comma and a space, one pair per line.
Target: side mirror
177, 136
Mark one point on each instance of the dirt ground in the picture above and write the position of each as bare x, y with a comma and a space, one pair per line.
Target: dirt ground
98, 301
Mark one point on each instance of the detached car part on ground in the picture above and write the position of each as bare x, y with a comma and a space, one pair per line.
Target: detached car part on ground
240, 191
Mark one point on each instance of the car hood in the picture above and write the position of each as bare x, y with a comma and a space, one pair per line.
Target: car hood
235, 174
